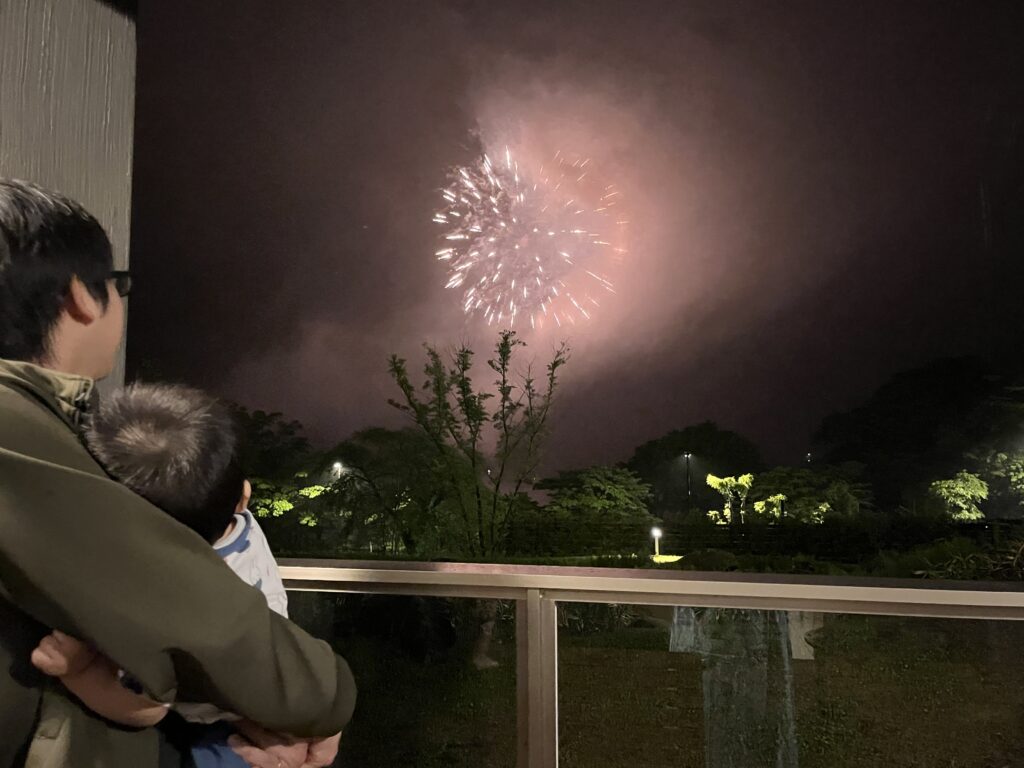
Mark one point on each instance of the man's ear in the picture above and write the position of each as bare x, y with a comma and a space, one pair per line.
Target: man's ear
81, 305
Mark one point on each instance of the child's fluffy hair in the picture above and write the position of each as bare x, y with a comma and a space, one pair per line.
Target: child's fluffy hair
175, 446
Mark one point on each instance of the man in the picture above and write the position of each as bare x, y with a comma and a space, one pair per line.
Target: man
81, 554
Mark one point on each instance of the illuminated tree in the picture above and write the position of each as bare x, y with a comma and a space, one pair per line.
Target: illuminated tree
808, 495
772, 508
734, 492
960, 495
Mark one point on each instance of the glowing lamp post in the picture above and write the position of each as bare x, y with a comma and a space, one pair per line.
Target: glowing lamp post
338, 468
688, 456
656, 535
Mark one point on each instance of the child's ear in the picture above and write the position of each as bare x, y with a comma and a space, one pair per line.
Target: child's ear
243, 502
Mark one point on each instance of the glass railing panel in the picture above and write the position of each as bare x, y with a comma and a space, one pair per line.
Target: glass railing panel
436, 676
678, 686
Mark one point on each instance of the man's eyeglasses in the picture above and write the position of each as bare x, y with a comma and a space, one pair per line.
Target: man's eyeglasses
122, 282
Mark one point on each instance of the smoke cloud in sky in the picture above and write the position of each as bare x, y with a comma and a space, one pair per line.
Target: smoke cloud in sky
801, 185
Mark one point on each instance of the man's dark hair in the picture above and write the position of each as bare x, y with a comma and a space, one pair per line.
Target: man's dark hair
46, 239
175, 446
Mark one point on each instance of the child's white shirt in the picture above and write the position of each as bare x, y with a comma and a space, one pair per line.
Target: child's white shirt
246, 551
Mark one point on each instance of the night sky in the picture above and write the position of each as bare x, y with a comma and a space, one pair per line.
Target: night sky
817, 192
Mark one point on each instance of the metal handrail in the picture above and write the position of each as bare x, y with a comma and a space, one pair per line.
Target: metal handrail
939, 599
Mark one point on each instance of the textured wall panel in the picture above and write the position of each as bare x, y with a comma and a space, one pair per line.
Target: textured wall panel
67, 104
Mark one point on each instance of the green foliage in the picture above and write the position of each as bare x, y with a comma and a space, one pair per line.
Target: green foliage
1008, 466
600, 509
960, 496
733, 491
919, 426
662, 464
275, 499
271, 499
600, 491
808, 495
393, 481
313, 491
922, 560
1005, 563
1001, 469
460, 420
771, 508
280, 463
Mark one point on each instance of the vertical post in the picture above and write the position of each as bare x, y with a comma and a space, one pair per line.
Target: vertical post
537, 681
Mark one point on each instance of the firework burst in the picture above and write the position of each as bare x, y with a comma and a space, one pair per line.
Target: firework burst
528, 245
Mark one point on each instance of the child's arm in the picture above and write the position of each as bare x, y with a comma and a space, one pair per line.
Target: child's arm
94, 679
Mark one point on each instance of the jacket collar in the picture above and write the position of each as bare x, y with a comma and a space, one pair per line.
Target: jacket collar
70, 397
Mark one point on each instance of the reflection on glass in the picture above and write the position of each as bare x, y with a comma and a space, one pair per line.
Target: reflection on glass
715, 687
436, 677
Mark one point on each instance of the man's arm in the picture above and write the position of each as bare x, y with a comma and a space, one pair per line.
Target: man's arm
83, 554
96, 681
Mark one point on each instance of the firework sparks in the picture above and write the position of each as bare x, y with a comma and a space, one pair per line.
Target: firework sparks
530, 245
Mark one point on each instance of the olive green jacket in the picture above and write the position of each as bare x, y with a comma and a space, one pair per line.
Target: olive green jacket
81, 553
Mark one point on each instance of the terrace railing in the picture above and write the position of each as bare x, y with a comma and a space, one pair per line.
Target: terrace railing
538, 591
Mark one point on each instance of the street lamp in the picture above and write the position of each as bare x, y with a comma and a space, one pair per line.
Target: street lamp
656, 534
338, 468
687, 456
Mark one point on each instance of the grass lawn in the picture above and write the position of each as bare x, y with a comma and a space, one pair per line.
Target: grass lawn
885, 692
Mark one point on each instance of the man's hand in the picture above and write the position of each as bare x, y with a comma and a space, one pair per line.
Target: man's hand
323, 751
261, 748
60, 655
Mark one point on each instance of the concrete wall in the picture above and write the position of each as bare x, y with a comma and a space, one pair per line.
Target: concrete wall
67, 105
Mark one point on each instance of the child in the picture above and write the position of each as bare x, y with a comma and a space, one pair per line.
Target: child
178, 448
